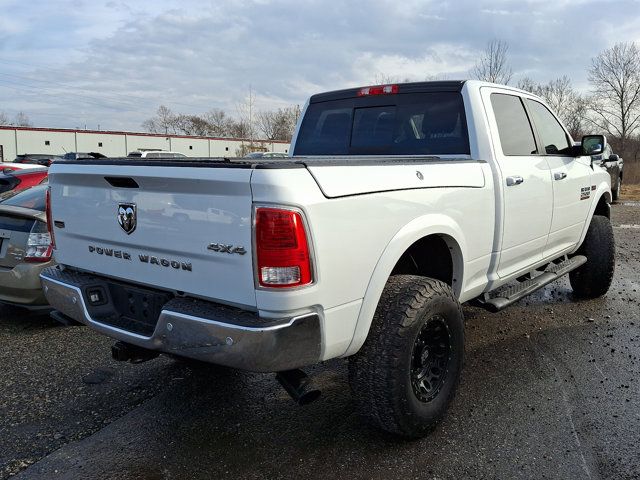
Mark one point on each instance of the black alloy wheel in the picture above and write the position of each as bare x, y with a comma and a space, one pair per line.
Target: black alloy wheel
430, 359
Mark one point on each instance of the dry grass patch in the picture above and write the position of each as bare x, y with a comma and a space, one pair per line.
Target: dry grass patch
630, 192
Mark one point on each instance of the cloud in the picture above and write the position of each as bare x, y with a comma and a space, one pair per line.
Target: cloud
441, 60
76, 62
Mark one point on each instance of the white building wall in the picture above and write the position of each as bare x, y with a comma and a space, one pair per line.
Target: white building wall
39, 141
191, 147
16, 141
107, 144
8, 143
135, 142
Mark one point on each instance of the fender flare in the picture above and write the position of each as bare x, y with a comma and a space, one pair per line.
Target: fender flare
603, 190
432, 224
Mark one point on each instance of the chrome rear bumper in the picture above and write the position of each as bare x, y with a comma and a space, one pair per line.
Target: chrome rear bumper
200, 330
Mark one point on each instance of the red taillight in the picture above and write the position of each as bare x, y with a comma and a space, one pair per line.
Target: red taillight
378, 90
47, 205
282, 250
38, 243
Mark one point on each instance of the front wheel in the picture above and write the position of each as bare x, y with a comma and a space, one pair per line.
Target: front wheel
594, 278
406, 374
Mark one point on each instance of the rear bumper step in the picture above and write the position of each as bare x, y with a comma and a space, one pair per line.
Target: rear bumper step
496, 301
195, 328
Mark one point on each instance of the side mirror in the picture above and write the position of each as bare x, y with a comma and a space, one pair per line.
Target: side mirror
593, 144
614, 158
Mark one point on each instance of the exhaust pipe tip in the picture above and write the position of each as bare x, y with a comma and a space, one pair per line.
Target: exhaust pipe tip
299, 386
125, 352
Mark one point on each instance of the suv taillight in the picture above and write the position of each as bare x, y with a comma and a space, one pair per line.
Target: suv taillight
38, 243
282, 250
47, 204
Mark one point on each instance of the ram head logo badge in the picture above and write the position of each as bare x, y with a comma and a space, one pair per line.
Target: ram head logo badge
127, 217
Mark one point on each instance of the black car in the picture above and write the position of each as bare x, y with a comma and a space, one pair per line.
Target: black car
82, 155
613, 164
37, 158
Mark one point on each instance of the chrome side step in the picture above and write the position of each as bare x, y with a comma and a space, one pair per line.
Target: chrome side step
505, 296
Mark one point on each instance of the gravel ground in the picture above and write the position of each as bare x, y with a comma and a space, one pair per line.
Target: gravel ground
550, 390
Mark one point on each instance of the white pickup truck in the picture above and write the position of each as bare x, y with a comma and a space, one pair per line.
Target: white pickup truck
399, 203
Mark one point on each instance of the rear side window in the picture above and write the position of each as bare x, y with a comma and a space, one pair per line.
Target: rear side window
514, 129
403, 124
553, 136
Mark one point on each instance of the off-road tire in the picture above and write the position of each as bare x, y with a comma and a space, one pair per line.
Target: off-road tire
593, 279
382, 375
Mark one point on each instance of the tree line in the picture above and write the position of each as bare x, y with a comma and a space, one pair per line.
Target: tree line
266, 124
20, 120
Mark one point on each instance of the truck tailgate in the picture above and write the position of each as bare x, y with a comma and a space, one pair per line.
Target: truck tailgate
182, 229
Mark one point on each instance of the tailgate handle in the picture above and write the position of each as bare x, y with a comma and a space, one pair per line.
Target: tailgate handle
122, 182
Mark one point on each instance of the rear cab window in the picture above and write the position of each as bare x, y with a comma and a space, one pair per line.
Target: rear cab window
429, 123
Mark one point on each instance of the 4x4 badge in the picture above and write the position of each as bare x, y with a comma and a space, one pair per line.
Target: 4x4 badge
127, 217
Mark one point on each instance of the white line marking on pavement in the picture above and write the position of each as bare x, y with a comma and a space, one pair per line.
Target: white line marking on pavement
635, 227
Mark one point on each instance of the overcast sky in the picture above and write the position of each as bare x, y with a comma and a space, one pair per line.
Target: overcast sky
71, 63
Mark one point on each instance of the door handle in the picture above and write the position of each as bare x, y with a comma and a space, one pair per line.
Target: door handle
514, 180
559, 175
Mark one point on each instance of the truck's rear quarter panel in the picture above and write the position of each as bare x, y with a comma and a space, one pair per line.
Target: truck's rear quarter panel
351, 234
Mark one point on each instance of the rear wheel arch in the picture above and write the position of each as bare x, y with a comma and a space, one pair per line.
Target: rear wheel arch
394, 262
435, 256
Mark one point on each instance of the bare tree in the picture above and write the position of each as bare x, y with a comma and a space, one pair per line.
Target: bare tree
245, 123
239, 129
219, 122
385, 79
192, 125
165, 121
568, 104
615, 102
22, 120
438, 77
4, 120
528, 84
575, 117
492, 66
279, 124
